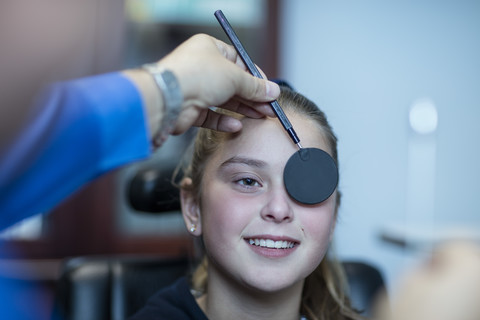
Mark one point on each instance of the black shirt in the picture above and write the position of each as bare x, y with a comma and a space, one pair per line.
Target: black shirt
175, 302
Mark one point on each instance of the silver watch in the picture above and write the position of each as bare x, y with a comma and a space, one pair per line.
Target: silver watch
172, 95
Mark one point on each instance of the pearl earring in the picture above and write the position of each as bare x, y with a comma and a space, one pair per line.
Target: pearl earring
193, 228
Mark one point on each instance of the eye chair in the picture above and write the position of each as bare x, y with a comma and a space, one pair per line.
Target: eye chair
116, 287
106, 288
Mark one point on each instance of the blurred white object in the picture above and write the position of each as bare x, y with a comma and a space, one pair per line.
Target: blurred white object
415, 238
423, 116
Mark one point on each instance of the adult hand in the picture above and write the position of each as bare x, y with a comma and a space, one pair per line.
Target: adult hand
446, 288
211, 73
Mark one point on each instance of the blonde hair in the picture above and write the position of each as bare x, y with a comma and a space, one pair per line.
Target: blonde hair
323, 296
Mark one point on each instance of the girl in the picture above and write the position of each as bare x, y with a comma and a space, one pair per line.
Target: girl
264, 252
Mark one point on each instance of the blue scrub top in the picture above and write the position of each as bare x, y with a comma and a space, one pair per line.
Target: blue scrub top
77, 130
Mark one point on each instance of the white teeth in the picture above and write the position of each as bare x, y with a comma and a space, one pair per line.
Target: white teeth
268, 243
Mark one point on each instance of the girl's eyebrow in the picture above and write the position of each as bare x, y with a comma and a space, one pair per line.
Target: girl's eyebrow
243, 160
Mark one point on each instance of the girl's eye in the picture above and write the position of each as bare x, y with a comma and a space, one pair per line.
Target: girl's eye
247, 185
249, 182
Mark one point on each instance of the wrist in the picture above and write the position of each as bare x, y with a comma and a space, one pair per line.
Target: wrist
172, 98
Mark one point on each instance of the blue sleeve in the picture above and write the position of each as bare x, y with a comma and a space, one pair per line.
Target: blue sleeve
77, 131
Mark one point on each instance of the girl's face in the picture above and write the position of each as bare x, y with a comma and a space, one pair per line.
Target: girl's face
253, 232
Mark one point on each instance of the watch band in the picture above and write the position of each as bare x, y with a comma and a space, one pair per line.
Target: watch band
172, 95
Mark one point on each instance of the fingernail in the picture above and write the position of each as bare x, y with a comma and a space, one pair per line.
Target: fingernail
273, 90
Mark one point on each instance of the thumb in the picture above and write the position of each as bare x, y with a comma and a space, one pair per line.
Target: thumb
255, 89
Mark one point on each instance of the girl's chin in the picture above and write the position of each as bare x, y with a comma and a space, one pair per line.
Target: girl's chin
271, 284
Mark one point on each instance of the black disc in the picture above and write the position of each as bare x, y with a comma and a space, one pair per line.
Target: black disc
310, 176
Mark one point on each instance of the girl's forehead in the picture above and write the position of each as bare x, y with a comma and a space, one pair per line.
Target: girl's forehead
271, 131
266, 139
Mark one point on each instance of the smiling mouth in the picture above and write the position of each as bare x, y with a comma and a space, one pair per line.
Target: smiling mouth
272, 244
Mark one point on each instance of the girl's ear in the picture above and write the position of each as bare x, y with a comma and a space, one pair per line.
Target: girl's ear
190, 208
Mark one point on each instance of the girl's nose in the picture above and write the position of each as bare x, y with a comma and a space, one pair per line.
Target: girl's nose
278, 208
